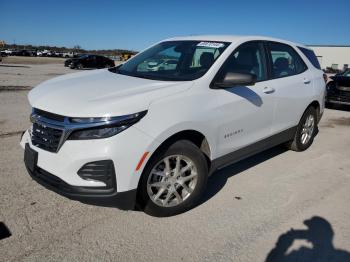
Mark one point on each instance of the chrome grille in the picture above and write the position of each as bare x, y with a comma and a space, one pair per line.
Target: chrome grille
45, 137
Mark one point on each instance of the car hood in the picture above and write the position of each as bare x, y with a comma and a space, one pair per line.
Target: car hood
99, 93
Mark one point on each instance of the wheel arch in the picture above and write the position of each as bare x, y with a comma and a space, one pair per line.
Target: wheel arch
194, 136
315, 104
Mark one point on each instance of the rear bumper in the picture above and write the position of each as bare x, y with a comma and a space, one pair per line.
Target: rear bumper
94, 196
338, 100
338, 97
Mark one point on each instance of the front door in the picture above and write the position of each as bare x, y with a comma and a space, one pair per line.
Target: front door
246, 112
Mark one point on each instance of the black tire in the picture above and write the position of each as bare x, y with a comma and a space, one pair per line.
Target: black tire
192, 152
296, 144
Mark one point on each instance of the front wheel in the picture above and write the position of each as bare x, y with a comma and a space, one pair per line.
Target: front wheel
79, 66
174, 180
306, 131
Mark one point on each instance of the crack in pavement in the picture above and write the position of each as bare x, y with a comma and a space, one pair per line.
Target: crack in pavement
14, 133
14, 88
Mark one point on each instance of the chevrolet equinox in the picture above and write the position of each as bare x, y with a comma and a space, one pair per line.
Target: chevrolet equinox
149, 132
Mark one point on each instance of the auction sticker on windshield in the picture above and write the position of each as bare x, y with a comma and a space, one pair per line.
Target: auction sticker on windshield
211, 44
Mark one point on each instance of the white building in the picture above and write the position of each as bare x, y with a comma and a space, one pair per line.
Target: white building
335, 56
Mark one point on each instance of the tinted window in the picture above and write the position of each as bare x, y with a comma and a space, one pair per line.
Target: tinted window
311, 56
248, 58
285, 61
100, 58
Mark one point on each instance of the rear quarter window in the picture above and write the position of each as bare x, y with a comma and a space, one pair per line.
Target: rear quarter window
310, 55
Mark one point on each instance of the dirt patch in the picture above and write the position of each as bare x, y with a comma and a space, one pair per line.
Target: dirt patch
14, 88
15, 66
12, 74
342, 121
53, 74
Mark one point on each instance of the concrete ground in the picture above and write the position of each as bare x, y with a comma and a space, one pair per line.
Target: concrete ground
247, 208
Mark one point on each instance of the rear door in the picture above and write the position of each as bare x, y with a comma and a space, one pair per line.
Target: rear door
92, 63
292, 84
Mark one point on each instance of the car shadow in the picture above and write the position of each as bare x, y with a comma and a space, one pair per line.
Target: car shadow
319, 234
219, 178
247, 94
4, 231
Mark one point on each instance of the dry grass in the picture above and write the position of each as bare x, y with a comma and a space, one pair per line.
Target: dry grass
32, 60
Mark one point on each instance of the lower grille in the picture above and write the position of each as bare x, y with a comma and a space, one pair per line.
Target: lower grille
45, 137
100, 171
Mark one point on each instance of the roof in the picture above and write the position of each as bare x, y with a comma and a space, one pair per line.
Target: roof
231, 38
328, 45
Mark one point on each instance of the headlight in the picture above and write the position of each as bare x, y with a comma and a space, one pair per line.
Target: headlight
102, 127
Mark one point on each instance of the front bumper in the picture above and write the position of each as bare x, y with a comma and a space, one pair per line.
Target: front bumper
101, 197
59, 171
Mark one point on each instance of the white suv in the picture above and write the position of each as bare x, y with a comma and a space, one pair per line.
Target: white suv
135, 136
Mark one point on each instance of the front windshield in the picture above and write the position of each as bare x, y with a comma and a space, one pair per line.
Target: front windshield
174, 60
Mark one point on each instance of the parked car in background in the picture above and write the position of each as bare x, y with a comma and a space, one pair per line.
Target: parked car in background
58, 54
42, 52
7, 52
148, 135
330, 70
24, 52
89, 61
69, 54
54, 54
338, 89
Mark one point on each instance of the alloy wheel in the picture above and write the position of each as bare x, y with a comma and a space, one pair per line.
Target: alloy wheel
307, 130
172, 180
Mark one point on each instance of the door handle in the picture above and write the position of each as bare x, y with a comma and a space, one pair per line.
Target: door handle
306, 81
268, 90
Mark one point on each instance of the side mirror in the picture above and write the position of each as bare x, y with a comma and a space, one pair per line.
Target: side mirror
235, 79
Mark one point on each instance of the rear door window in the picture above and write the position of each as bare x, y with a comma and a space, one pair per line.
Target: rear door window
285, 61
310, 55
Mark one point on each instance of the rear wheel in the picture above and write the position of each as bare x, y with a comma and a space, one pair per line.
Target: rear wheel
306, 131
174, 180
